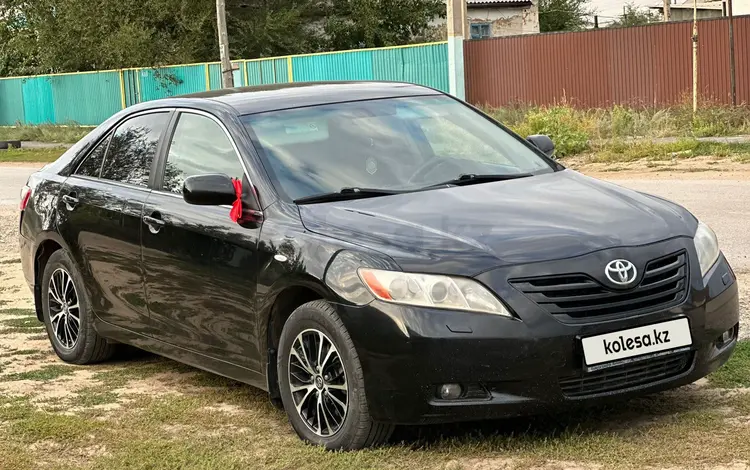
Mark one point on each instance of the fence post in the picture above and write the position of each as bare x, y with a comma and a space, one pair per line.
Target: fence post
290, 74
139, 96
208, 79
122, 89
456, 21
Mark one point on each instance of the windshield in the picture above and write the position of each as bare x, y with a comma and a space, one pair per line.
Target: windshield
401, 144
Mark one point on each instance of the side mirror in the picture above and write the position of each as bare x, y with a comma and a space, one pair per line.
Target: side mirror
208, 190
543, 143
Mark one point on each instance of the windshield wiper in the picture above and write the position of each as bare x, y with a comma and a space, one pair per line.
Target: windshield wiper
347, 194
467, 179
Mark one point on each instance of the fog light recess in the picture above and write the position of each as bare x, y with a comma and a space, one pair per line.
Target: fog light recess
727, 337
450, 391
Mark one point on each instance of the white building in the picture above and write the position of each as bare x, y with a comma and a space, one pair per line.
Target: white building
495, 18
682, 10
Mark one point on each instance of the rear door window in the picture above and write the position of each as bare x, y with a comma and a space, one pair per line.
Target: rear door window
199, 146
133, 148
92, 164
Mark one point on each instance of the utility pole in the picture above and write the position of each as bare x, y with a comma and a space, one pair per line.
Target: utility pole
667, 11
227, 76
732, 83
695, 56
596, 22
456, 22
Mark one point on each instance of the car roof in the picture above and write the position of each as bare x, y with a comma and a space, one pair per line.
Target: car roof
259, 99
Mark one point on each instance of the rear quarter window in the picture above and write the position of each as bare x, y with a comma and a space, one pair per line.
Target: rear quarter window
92, 164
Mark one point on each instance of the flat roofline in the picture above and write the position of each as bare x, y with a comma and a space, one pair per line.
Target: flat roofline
683, 6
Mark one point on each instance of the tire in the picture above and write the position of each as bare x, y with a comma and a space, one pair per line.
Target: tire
357, 429
88, 347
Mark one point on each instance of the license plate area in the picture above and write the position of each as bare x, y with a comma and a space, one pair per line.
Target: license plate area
640, 343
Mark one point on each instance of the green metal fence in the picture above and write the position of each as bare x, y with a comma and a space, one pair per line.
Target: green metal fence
88, 98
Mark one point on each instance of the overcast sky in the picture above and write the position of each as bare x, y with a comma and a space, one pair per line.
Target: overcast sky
614, 7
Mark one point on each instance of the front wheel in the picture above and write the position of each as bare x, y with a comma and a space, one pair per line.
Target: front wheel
322, 383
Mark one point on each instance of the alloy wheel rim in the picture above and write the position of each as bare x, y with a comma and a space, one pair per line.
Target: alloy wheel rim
64, 309
317, 381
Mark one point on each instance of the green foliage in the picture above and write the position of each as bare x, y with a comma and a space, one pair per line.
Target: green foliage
636, 16
69, 134
375, 23
79, 35
570, 126
49, 372
562, 124
564, 15
736, 372
44, 36
31, 155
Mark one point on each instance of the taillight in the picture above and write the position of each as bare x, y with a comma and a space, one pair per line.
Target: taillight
25, 195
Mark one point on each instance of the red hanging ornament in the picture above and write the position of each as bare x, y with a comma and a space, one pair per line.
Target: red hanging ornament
236, 213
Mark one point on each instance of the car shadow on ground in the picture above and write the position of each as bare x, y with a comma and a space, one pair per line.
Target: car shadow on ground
618, 418
614, 418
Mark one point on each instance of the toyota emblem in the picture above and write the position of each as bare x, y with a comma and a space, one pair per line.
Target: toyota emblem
621, 272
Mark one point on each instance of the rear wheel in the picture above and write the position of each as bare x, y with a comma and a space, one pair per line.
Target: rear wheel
322, 383
67, 316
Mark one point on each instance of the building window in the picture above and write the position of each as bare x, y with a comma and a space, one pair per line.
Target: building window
480, 31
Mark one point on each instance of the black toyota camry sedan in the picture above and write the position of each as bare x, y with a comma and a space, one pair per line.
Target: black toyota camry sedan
371, 254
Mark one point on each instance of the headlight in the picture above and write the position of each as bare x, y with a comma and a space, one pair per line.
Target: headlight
707, 246
427, 290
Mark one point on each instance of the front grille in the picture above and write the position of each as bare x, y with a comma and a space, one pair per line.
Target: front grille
664, 284
626, 376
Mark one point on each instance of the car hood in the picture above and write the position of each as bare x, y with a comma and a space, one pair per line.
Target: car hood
468, 229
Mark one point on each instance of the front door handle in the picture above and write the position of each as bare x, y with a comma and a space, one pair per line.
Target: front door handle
70, 201
154, 223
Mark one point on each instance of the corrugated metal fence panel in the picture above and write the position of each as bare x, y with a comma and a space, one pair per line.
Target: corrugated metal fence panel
11, 101
281, 68
356, 65
238, 74
214, 72
88, 98
742, 60
38, 105
164, 82
425, 65
647, 65
131, 84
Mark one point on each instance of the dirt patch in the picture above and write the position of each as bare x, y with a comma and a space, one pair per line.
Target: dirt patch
225, 408
699, 168
20, 341
57, 391
14, 292
168, 383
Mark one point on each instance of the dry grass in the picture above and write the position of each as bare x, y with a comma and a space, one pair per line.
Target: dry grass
145, 412
30, 155
45, 133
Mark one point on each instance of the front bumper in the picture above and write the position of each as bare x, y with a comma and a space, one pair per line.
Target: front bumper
406, 353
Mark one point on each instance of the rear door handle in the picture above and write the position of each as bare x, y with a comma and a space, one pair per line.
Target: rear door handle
70, 201
154, 223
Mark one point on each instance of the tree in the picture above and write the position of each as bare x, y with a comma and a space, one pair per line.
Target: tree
635, 16
352, 24
266, 28
48, 36
80, 35
564, 15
